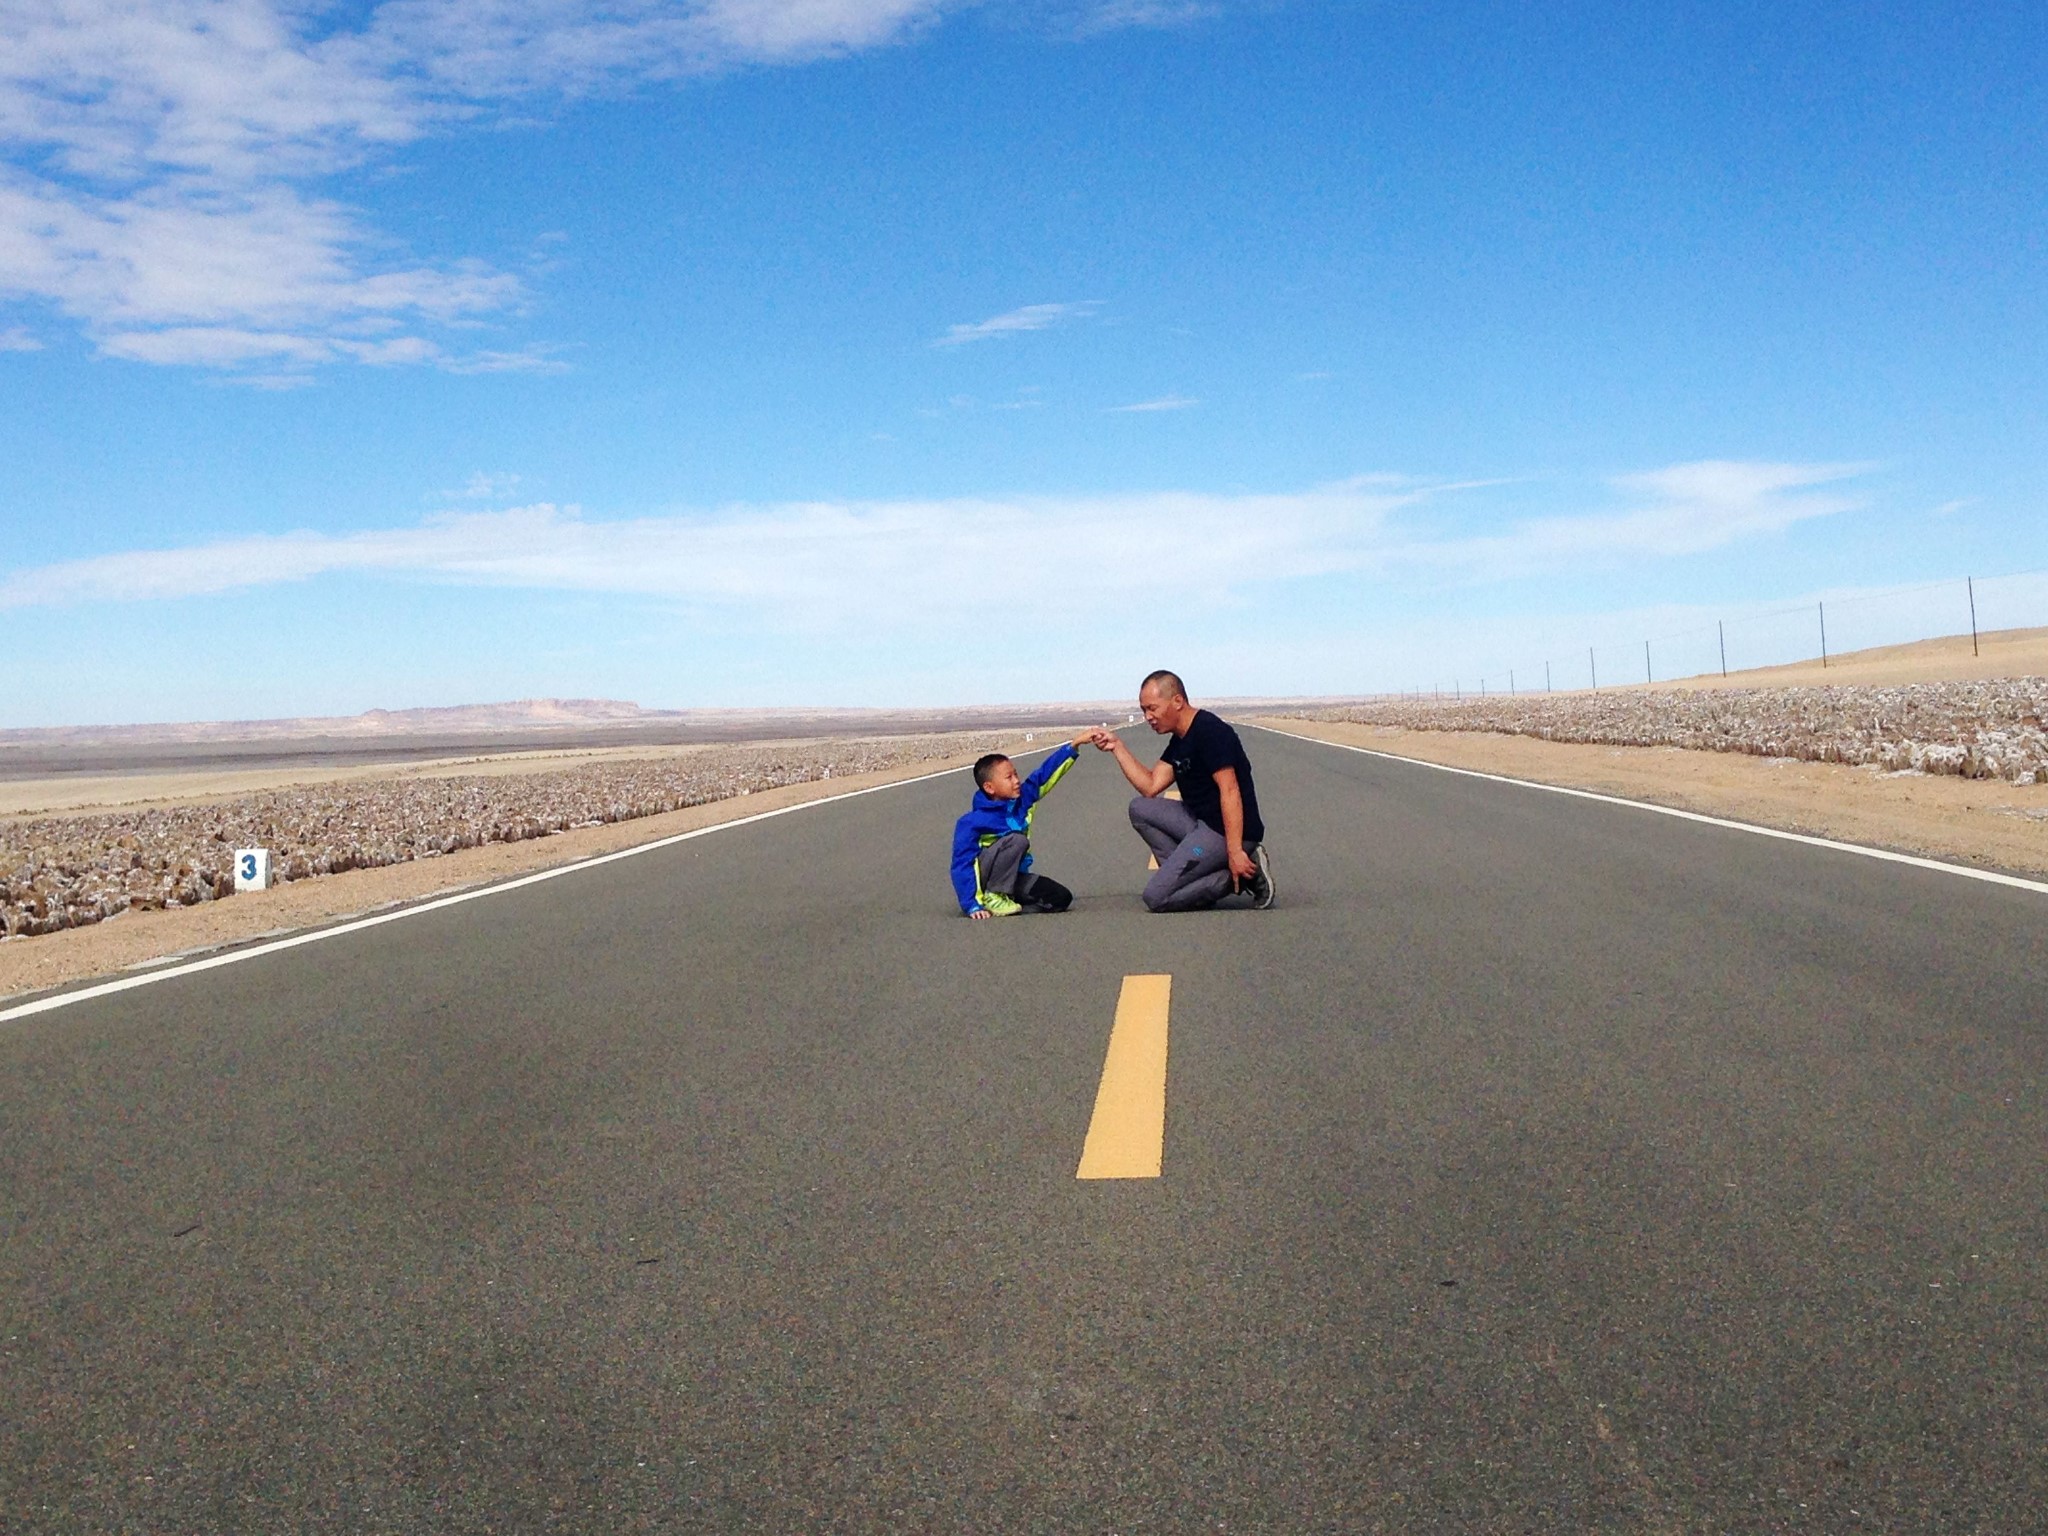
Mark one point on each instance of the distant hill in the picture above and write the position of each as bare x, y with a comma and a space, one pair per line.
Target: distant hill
518, 715
401, 735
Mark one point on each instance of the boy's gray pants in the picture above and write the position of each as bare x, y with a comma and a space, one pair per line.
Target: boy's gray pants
1002, 865
1194, 866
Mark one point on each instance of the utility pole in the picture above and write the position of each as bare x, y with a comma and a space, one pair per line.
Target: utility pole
1511, 682
1546, 677
1593, 669
1647, 677
1823, 636
1722, 626
1971, 582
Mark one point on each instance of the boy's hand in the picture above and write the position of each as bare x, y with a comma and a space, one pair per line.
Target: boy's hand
978, 914
1085, 739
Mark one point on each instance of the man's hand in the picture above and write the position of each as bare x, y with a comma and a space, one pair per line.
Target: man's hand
1104, 740
1242, 867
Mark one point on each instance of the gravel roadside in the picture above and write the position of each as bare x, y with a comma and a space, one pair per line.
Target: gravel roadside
1977, 729
1990, 823
561, 816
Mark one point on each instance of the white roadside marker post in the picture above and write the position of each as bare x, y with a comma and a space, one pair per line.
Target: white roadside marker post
252, 869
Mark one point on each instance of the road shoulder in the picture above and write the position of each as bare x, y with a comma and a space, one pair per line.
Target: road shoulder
138, 940
1987, 823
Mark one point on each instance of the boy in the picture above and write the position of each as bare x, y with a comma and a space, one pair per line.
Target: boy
992, 842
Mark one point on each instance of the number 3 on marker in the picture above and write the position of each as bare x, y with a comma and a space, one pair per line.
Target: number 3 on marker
248, 866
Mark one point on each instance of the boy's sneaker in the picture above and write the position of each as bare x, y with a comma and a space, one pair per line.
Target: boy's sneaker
996, 904
1262, 882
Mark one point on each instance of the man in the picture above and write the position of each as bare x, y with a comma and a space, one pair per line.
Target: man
1211, 842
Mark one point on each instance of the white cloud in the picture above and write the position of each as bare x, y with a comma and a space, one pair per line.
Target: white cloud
1032, 317
1683, 510
820, 560
1114, 15
18, 339
916, 564
1079, 20
1163, 403
160, 156
485, 485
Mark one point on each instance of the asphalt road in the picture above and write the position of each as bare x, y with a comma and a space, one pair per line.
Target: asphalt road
1535, 1165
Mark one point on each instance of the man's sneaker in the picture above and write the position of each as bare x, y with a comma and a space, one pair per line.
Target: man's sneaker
996, 904
1262, 882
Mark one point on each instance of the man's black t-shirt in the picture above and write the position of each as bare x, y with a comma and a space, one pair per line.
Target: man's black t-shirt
1208, 746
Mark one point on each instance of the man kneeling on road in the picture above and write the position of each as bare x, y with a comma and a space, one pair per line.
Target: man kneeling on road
1210, 842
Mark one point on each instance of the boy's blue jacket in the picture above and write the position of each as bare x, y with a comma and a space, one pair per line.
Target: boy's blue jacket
990, 818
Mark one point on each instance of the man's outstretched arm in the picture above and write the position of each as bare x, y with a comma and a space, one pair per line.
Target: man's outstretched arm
1145, 780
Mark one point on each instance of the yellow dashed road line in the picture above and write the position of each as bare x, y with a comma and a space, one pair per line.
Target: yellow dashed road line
1127, 1136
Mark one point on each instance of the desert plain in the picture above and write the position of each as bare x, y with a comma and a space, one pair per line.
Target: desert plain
1936, 749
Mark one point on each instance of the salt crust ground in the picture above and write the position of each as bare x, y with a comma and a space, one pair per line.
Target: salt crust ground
139, 940
1984, 822
47, 797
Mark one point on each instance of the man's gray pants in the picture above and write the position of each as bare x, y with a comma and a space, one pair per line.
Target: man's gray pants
1194, 866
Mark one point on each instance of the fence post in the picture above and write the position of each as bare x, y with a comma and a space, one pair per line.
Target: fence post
1971, 583
1722, 626
1823, 636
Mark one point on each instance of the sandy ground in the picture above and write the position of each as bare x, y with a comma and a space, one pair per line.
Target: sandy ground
1985, 822
140, 939
2000, 653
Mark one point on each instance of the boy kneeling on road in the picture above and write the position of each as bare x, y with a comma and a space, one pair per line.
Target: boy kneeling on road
992, 872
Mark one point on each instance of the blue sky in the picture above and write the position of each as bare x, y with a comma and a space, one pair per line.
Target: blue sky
907, 352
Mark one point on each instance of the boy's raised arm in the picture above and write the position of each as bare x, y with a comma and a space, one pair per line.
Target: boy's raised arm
1050, 772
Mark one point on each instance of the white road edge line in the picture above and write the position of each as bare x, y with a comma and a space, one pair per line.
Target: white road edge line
1990, 877
314, 936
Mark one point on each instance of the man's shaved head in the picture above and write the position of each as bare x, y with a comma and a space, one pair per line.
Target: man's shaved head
1168, 683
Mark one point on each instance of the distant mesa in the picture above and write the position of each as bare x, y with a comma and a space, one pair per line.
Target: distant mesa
519, 715
544, 724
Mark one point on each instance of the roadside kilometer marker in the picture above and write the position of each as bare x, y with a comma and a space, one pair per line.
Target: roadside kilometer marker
1127, 1136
